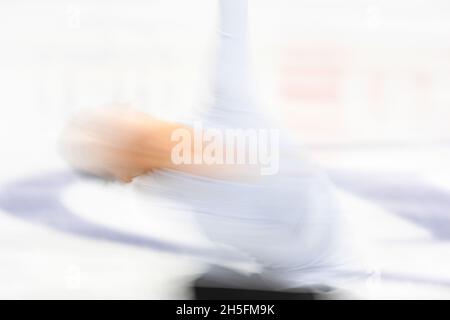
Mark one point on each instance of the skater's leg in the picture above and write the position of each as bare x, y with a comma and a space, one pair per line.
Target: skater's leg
234, 102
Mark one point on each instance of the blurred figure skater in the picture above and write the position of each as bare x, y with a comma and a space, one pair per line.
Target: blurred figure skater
288, 222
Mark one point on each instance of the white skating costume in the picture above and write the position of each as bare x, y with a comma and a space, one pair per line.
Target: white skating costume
288, 222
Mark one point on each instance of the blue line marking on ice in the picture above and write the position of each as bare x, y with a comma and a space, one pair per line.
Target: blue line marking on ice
38, 200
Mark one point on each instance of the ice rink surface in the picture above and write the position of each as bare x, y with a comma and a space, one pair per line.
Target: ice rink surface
63, 236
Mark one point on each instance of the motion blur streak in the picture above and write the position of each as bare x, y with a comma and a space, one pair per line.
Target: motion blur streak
362, 85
